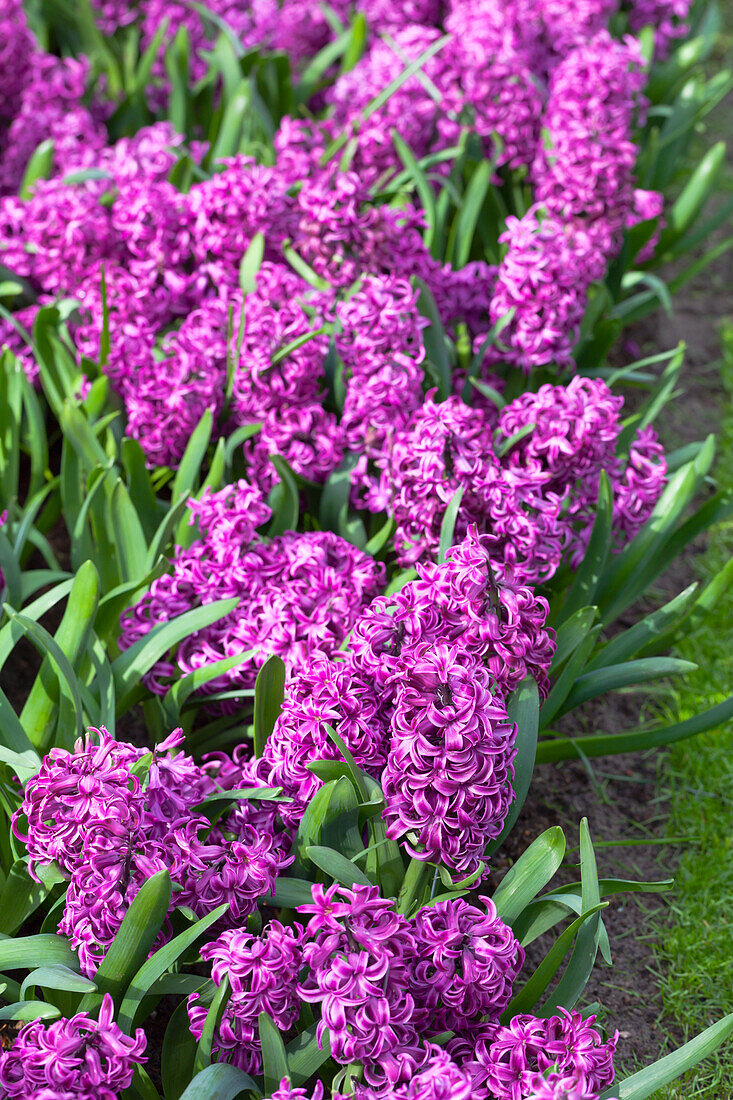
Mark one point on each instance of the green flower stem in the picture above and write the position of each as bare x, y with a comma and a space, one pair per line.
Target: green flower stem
415, 886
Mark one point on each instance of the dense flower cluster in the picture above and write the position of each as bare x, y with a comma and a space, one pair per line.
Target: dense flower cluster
567, 1043
532, 486
387, 984
419, 699
362, 954
544, 277
77, 1057
262, 972
510, 73
298, 595
447, 779
573, 435
108, 826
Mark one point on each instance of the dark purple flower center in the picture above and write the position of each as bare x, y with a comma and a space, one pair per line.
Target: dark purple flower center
443, 696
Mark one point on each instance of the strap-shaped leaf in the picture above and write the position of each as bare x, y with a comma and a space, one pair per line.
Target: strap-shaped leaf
274, 1057
251, 263
582, 960
289, 893
341, 829
129, 534
422, 185
638, 740
284, 499
448, 525
24, 1011
645, 1083
11, 632
337, 866
592, 684
189, 469
570, 634
140, 487
306, 1054
178, 1053
211, 1023
194, 681
269, 695
27, 952
528, 996
15, 745
135, 937
20, 897
629, 642
549, 909
57, 977
638, 561
530, 874
129, 668
567, 678
39, 167
220, 1082
582, 592
435, 341
155, 967
463, 230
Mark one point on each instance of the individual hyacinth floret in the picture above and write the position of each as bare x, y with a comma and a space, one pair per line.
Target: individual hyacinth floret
79, 1056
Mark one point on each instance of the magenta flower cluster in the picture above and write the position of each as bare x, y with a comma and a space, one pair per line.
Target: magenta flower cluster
79, 1057
567, 1044
387, 985
298, 594
419, 699
509, 73
262, 972
108, 817
532, 486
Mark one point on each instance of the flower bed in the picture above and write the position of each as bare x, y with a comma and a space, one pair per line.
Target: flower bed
307, 423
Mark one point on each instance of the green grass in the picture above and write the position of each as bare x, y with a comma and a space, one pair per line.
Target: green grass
694, 953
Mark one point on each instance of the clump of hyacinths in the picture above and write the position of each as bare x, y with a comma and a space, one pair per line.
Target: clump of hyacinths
359, 329
108, 817
81, 1056
389, 985
155, 267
